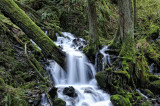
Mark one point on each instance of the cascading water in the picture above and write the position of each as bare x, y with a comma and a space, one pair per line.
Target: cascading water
106, 57
79, 75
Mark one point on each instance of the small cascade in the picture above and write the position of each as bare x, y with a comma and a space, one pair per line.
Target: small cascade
106, 57
153, 68
44, 101
78, 77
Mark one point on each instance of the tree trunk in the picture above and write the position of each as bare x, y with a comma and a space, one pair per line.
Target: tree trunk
126, 31
92, 16
135, 14
126, 28
11, 10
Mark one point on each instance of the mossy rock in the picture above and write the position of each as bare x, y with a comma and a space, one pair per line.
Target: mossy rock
59, 102
153, 77
123, 74
146, 103
101, 79
119, 100
155, 86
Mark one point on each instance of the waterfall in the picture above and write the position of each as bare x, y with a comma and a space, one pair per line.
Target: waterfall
80, 74
106, 57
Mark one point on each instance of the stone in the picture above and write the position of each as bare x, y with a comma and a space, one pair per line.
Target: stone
70, 91
59, 102
53, 92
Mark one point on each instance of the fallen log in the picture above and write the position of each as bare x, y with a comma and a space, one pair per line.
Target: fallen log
10, 9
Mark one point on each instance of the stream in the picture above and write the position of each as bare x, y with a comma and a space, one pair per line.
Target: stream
79, 76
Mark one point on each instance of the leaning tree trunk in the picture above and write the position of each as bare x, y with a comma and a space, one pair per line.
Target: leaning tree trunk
92, 16
11, 10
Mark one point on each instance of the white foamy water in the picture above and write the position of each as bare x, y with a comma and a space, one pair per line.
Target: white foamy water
106, 57
79, 74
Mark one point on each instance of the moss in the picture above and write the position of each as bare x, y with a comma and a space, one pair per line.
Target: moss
101, 79
141, 71
155, 86
123, 74
29, 85
34, 32
153, 78
137, 98
148, 50
146, 103
14, 96
148, 93
59, 102
119, 100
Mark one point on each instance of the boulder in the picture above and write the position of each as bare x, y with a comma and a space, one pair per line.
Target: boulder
70, 91
101, 79
53, 92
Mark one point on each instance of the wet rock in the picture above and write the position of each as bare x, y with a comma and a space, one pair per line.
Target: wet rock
85, 104
59, 102
158, 100
70, 91
84, 42
36, 102
98, 60
88, 90
53, 92
154, 101
80, 48
75, 41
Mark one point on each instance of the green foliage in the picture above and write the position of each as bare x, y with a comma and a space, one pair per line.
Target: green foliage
146, 103
148, 93
14, 97
148, 16
124, 74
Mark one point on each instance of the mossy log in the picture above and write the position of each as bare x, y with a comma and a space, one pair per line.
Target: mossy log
18, 16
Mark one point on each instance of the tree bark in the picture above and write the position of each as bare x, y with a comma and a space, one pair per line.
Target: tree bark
11, 10
126, 28
92, 16
135, 14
